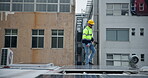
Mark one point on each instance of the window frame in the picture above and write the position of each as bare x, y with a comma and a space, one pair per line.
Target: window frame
57, 36
38, 36
141, 7
133, 31
39, 10
6, 1
27, 6
17, 8
116, 33
141, 31
57, 6
108, 9
66, 4
120, 60
115, 12
133, 7
35, 3
4, 5
11, 35
142, 57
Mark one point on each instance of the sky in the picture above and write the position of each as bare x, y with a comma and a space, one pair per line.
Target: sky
80, 4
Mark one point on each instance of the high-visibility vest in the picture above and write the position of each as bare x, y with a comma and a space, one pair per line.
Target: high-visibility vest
87, 33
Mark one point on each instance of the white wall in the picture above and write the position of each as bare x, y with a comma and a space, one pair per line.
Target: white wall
136, 45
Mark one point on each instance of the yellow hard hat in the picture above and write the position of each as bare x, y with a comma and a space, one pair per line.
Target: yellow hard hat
91, 22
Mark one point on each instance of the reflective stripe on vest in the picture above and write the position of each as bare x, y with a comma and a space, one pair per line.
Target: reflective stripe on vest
88, 34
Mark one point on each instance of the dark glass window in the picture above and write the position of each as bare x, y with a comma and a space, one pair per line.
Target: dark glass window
52, 1
29, 7
64, 7
54, 42
113, 34
17, 7
4, 0
142, 57
4, 7
29, 0
37, 38
57, 38
133, 31
41, 1
17, 0
64, 1
11, 38
141, 31
52, 8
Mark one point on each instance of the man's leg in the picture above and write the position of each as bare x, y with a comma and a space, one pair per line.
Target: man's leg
86, 53
92, 48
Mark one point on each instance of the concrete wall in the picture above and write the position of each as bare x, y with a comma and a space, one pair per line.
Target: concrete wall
136, 45
25, 22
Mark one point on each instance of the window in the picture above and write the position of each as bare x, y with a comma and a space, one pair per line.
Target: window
64, 7
41, 1
133, 54
109, 9
29, 7
35, 5
117, 60
10, 38
64, 1
141, 6
41, 7
38, 38
124, 9
52, 8
115, 34
117, 9
142, 57
4, 7
4, 0
141, 31
28, 0
57, 38
17, 7
109, 56
17, 0
133, 31
52, 1
133, 7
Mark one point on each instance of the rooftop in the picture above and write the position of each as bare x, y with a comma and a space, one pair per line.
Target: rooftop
75, 71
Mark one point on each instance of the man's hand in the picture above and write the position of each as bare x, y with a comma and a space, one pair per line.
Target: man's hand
87, 45
95, 42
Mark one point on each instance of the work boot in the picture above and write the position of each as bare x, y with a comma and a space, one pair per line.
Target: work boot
91, 63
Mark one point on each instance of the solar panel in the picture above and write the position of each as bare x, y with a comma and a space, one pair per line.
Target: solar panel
92, 76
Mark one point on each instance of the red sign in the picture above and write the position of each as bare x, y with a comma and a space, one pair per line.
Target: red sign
139, 7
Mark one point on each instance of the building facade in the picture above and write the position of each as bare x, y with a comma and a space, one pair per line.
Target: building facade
121, 33
38, 31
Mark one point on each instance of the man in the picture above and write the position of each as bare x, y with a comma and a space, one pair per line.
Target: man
87, 40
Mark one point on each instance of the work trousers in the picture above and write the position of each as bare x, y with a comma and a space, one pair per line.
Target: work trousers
89, 55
